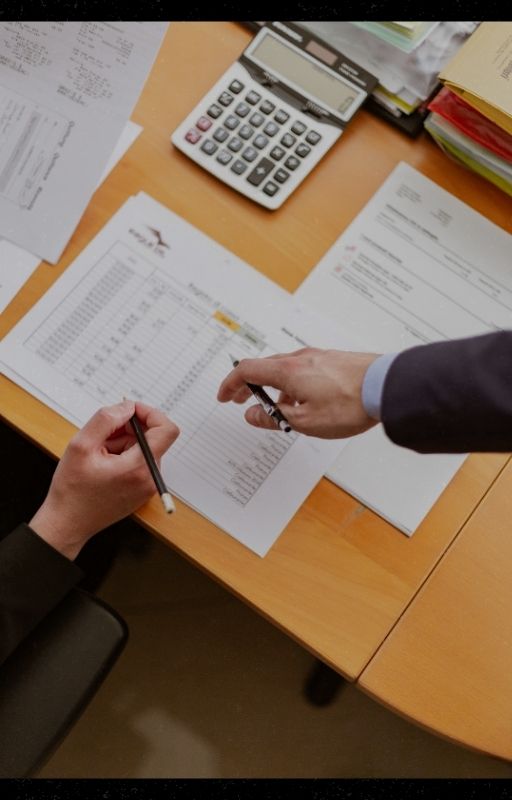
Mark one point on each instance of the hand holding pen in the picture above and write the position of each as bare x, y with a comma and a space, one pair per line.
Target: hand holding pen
319, 390
266, 403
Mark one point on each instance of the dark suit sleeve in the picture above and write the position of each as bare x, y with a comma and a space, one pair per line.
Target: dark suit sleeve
451, 397
34, 578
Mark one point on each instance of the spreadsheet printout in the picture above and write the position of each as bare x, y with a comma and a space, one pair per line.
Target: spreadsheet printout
60, 84
154, 310
415, 266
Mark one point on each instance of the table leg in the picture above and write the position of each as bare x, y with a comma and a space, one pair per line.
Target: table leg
322, 684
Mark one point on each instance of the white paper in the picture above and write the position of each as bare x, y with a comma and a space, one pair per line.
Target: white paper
482, 155
417, 71
16, 264
130, 132
66, 92
151, 310
16, 267
416, 265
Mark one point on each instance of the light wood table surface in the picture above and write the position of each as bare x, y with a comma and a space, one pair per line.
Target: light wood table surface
448, 663
339, 577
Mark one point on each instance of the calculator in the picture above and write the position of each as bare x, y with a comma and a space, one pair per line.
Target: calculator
274, 113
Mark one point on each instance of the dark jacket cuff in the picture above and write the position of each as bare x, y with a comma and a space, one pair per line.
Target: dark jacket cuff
34, 578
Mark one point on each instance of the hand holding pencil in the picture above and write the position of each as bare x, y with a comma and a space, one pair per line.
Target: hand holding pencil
103, 475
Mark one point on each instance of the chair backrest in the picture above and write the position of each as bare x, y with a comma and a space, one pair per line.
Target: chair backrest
50, 678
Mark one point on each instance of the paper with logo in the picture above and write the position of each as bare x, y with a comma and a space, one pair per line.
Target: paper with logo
67, 90
415, 266
153, 310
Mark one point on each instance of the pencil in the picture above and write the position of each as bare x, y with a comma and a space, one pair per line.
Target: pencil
165, 496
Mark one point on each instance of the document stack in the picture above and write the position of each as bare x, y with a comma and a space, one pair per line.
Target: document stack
404, 35
471, 118
405, 56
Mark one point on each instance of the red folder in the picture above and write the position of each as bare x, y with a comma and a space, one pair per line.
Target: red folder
472, 123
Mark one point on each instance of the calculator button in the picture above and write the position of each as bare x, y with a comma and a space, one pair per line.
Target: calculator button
260, 141
224, 157
236, 87
271, 129
277, 153
214, 111
302, 150
192, 136
242, 109
221, 134
260, 171
281, 175
298, 127
271, 188
253, 98
238, 167
281, 116
203, 123
235, 144
256, 119
249, 154
313, 137
292, 162
225, 99
231, 122
245, 132
288, 140
209, 147
267, 107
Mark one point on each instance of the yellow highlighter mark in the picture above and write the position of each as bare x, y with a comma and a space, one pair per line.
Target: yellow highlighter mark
227, 321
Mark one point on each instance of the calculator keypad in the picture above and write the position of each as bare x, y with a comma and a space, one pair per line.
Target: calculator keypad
231, 122
260, 171
261, 142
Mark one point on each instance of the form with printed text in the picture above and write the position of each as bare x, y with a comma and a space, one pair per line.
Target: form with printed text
153, 310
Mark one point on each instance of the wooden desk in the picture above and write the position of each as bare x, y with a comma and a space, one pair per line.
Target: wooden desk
339, 577
448, 662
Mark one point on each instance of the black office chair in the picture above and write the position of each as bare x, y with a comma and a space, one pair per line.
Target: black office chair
48, 681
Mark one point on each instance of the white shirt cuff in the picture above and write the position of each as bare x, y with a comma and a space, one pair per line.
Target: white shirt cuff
373, 384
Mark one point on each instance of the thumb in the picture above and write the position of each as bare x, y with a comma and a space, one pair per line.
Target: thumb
106, 421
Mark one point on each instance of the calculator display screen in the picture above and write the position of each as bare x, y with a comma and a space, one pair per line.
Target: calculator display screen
304, 73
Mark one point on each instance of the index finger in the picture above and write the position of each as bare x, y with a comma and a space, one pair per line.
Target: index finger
159, 430
105, 423
269, 371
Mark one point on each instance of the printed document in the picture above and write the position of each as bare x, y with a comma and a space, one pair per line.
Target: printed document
67, 90
16, 264
416, 265
153, 310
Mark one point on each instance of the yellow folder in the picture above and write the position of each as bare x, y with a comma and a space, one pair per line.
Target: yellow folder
481, 72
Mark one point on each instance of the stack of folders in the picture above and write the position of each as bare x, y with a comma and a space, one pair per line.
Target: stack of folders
471, 118
406, 57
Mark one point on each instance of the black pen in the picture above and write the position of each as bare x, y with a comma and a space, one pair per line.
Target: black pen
267, 404
165, 496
